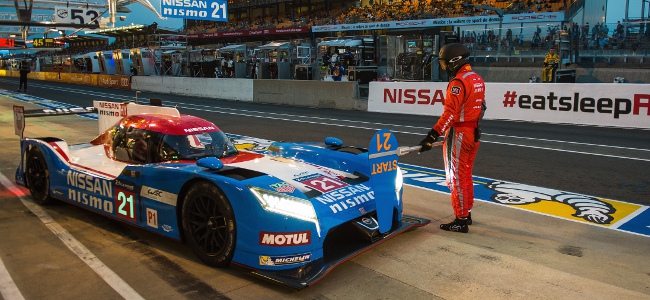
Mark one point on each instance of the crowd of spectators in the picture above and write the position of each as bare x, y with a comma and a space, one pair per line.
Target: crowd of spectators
598, 37
380, 10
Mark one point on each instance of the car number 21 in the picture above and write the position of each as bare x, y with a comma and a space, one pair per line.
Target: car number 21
324, 184
125, 205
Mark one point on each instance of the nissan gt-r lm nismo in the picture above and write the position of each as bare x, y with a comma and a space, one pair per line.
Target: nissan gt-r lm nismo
289, 214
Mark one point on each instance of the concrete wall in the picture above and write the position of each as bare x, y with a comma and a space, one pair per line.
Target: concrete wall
312, 93
221, 88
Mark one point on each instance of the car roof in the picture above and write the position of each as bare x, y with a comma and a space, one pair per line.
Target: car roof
183, 125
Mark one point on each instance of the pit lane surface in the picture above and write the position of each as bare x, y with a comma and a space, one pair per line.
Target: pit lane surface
508, 253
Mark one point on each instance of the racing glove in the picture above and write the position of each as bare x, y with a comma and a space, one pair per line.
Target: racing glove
427, 142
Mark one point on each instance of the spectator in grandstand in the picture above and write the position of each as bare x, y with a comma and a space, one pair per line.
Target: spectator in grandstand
24, 70
459, 124
551, 62
534, 43
640, 40
595, 31
619, 28
603, 42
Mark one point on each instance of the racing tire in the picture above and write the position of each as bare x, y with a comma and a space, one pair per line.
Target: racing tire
37, 177
209, 224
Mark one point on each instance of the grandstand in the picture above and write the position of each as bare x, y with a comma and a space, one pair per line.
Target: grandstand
520, 44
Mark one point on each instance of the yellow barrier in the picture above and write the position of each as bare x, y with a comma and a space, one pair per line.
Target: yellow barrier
111, 81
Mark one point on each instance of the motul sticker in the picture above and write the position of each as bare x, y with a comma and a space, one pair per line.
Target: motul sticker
285, 238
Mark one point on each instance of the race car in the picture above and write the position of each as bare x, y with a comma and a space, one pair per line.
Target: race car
288, 214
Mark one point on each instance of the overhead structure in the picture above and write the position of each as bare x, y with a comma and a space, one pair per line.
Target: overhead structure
24, 9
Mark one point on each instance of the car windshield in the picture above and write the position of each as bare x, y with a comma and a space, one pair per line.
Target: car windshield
195, 146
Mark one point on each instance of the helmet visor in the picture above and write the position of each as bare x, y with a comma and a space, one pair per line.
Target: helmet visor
443, 64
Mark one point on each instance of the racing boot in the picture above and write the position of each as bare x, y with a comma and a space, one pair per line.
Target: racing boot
469, 218
458, 225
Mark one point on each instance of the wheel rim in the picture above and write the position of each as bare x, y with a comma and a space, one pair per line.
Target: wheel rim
37, 176
209, 225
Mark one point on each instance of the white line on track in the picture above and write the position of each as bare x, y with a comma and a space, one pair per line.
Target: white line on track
119, 285
629, 217
8, 289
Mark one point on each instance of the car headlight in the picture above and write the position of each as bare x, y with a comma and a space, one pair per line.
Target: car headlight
286, 205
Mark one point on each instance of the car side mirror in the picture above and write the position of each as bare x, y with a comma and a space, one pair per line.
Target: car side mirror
211, 163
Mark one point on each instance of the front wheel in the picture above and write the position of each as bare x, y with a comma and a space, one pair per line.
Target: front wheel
37, 176
209, 224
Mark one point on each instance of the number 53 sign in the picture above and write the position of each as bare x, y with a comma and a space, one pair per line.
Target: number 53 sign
76, 15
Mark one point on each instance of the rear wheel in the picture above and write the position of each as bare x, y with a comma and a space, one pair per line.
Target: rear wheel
209, 224
37, 176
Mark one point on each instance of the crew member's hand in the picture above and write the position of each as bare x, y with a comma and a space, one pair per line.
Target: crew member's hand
427, 142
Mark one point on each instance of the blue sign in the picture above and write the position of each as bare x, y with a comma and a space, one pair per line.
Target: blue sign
209, 10
382, 156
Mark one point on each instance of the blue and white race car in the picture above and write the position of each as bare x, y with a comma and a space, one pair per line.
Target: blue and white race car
289, 215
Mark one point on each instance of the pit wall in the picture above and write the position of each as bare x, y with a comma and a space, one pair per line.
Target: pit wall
111, 81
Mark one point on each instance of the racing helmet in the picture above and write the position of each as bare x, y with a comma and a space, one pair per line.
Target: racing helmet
452, 57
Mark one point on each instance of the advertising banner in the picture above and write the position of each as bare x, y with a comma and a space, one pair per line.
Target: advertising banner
475, 20
601, 104
114, 81
209, 10
253, 32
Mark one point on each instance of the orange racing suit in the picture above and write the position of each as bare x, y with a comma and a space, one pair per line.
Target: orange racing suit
458, 123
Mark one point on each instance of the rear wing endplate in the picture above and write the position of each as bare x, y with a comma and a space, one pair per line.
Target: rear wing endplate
20, 114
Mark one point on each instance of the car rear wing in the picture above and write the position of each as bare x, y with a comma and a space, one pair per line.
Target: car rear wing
108, 113
20, 114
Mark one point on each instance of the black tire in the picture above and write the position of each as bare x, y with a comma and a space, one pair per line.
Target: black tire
209, 224
37, 177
